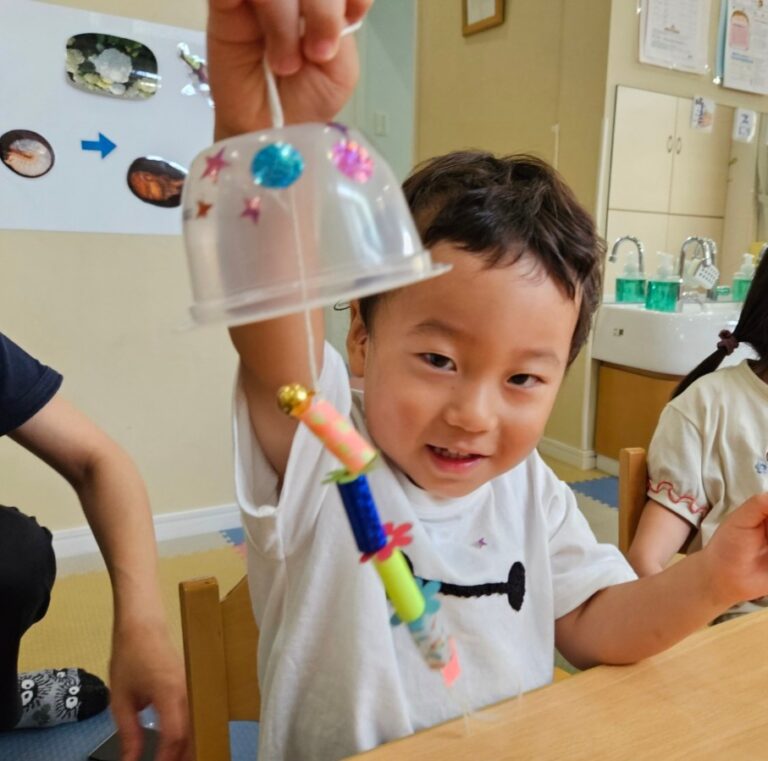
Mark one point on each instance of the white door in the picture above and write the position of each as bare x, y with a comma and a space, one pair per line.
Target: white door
643, 144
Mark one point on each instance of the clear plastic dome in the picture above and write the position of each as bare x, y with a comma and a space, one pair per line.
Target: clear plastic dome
301, 216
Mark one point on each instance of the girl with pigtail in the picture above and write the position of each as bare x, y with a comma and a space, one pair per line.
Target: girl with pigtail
709, 452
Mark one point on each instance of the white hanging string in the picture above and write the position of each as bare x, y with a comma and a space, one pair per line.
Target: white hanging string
275, 107
278, 121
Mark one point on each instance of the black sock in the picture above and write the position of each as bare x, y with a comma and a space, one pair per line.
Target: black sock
59, 696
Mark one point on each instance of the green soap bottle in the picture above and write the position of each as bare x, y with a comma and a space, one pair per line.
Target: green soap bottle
630, 287
663, 290
743, 277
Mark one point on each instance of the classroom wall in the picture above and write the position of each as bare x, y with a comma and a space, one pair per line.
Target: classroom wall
107, 311
535, 84
581, 123
495, 90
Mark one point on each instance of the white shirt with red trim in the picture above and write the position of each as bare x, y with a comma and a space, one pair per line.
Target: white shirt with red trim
336, 677
709, 453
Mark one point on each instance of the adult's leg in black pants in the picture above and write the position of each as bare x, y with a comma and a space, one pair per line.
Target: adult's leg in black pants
27, 572
46, 697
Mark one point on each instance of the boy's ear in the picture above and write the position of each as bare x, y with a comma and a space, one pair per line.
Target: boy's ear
357, 340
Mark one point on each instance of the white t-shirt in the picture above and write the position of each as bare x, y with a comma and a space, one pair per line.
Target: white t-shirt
709, 452
336, 677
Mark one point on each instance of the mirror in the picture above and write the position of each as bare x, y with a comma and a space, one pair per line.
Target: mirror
669, 180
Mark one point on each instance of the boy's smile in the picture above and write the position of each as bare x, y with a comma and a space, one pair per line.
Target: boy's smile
461, 372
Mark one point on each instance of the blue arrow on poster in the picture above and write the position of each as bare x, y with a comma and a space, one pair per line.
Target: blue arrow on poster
104, 145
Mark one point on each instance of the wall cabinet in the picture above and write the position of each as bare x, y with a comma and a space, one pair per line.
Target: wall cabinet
660, 163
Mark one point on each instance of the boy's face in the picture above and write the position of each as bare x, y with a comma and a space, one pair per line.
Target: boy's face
461, 372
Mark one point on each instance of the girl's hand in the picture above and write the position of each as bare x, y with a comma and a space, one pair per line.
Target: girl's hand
737, 554
315, 73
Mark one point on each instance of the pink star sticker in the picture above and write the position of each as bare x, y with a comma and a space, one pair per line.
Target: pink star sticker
202, 209
252, 208
214, 165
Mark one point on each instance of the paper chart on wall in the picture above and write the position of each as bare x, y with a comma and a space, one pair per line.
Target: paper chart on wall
745, 55
101, 117
675, 34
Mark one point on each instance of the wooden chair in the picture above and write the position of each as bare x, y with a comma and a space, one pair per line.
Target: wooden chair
220, 644
633, 479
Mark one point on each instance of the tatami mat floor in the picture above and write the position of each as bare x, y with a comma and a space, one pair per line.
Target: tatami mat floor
76, 630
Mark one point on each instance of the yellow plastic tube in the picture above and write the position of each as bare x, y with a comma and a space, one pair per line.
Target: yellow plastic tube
402, 590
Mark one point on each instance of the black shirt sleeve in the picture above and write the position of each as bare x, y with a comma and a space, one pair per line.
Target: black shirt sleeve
26, 385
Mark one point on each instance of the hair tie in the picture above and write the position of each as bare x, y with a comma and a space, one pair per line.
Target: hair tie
728, 342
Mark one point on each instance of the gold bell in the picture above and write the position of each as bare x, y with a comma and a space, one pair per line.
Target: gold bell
293, 399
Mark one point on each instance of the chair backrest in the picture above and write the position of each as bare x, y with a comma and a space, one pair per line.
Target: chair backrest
220, 645
633, 478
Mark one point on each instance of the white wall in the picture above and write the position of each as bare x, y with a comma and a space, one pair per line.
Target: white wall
106, 310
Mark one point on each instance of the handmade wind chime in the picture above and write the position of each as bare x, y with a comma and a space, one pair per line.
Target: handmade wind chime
289, 219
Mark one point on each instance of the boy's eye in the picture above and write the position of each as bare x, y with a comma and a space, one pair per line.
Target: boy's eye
439, 361
523, 380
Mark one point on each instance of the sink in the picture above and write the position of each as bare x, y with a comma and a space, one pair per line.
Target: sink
672, 343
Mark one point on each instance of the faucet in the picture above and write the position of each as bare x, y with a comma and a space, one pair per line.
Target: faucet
706, 250
640, 251
712, 292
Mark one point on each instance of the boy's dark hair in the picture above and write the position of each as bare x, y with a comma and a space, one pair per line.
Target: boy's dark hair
752, 328
502, 208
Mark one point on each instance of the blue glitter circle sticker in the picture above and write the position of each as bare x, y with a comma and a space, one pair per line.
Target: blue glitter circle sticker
277, 166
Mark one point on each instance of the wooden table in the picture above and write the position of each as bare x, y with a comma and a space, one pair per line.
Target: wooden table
706, 698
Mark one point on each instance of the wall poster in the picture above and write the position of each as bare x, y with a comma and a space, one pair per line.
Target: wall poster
100, 121
675, 34
745, 45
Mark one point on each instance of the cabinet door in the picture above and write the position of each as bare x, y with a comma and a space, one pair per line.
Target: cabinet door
629, 403
643, 145
700, 171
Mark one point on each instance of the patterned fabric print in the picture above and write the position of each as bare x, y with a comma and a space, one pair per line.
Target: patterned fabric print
513, 587
49, 697
687, 499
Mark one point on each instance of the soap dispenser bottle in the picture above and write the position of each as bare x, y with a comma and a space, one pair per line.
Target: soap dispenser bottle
743, 277
663, 289
630, 286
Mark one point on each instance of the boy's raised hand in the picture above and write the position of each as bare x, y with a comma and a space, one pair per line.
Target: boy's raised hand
315, 73
738, 553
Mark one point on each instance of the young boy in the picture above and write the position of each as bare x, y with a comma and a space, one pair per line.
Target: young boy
145, 668
460, 375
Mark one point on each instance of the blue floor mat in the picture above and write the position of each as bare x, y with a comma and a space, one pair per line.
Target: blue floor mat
605, 490
73, 742
234, 536
67, 742
243, 740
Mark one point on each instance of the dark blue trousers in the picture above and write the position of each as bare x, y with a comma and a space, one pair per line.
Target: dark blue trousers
27, 572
